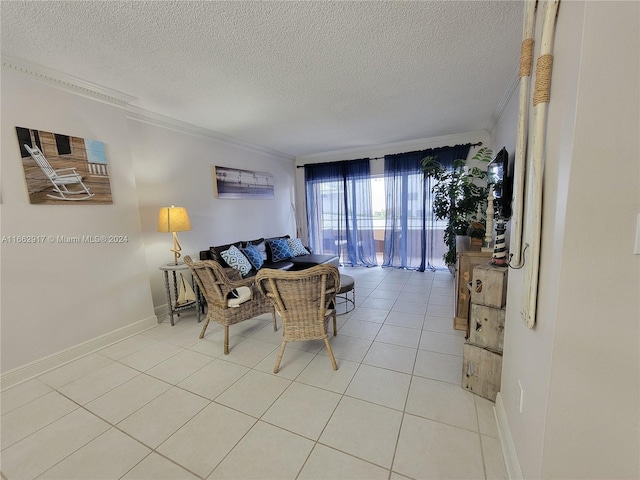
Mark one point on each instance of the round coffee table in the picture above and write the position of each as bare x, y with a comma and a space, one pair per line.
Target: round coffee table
347, 284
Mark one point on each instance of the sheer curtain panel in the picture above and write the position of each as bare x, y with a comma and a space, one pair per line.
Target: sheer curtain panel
413, 238
339, 210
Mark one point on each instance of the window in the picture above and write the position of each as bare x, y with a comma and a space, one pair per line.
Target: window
63, 143
339, 211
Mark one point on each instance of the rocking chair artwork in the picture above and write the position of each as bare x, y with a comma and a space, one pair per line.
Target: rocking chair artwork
61, 169
60, 178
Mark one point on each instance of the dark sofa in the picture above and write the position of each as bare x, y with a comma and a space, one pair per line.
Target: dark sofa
300, 262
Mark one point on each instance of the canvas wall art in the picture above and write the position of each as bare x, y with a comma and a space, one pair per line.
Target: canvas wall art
62, 169
236, 183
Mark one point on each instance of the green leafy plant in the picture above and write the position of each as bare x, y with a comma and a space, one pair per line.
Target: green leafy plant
476, 229
457, 194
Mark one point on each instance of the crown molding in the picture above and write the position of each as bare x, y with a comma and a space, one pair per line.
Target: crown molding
67, 82
396, 147
514, 82
104, 94
157, 119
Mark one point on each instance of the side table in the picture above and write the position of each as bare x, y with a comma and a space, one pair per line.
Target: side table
172, 294
347, 284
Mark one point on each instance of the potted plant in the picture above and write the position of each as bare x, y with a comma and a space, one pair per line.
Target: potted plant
458, 194
476, 231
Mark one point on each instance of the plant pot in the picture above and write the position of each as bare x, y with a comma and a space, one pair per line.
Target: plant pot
463, 243
476, 243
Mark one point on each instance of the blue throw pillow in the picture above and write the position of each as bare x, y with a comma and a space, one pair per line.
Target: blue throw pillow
296, 247
252, 253
262, 249
279, 249
237, 260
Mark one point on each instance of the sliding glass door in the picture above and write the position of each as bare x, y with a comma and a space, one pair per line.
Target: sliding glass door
339, 211
354, 215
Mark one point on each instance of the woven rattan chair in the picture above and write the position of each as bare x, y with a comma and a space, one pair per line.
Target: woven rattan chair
305, 300
216, 283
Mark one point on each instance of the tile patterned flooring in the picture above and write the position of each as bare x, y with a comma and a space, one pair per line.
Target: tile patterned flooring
165, 405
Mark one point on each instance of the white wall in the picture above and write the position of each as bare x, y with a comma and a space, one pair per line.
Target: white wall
579, 366
56, 296
175, 167
60, 301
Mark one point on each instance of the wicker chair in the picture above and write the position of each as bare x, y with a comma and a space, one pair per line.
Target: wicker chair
215, 283
305, 300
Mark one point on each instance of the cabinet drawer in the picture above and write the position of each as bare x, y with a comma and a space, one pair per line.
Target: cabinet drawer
489, 286
486, 327
481, 371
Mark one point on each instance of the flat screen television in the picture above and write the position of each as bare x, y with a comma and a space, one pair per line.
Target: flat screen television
501, 177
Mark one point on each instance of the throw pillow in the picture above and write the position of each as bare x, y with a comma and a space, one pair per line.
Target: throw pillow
243, 295
252, 253
279, 249
296, 247
237, 260
262, 249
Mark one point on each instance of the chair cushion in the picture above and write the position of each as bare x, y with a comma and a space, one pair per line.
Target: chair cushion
237, 260
296, 247
244, 295
254, 256
279, 249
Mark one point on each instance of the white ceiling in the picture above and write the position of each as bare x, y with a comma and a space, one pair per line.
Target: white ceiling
295, 77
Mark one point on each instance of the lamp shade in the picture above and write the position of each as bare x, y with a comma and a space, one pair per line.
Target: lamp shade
173, 219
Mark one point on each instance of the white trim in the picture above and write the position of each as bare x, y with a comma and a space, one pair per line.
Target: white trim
514, 83
397, 147
161, 312
506, 441
67, 82
38, 367
116, 98
159, 120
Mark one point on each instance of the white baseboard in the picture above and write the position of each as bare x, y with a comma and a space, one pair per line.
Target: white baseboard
506, 441
38, 367
161, 312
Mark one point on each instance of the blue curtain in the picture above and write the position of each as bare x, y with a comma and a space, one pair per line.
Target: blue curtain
339, 210
413, 238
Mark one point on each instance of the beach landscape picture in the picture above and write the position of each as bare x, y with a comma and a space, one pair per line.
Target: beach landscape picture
237, 183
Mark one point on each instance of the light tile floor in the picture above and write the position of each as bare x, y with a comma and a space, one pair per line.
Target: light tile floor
165, 405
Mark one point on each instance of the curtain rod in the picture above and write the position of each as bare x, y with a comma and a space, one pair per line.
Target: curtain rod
381, 158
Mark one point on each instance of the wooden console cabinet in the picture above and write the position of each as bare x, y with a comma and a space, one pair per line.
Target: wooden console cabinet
467, 261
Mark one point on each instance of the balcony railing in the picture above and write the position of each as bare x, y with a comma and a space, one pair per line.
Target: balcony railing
99, 169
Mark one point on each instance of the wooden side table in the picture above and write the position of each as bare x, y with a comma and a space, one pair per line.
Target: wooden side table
170, 272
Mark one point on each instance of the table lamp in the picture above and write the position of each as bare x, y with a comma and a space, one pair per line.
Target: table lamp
174, 219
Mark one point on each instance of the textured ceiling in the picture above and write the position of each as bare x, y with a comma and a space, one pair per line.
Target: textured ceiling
296, 77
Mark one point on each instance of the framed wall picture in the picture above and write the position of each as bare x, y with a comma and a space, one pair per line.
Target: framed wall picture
237, 183
61, 169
